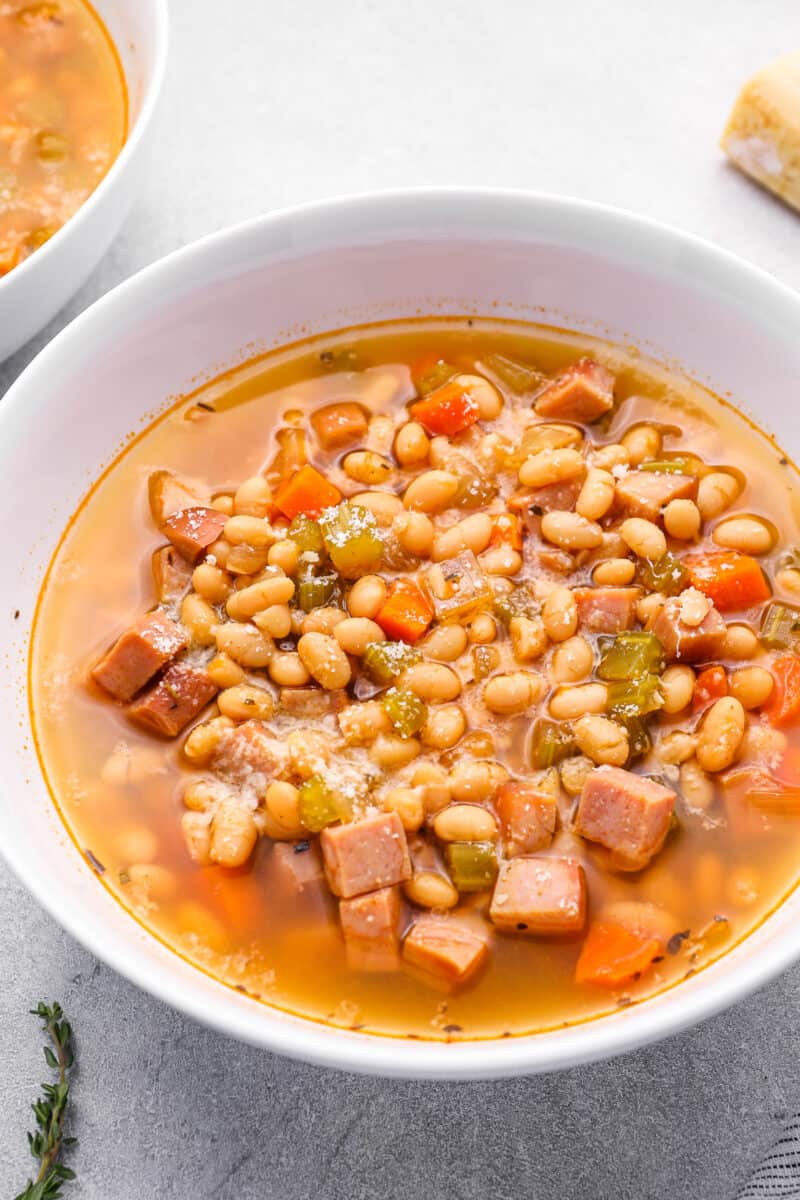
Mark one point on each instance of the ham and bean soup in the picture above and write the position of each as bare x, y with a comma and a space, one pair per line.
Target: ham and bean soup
438, 679
63, 118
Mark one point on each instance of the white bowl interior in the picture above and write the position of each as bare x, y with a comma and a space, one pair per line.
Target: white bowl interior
314, 270
35, 290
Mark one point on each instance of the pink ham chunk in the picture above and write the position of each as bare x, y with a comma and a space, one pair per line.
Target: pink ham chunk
646, 493
168, 706
365, 855
136, 656
168, 494
584, 392
527, 817
606, 609
298, 865
172, 575
371, 929
445, 947
249, 750
539, 895
558, 497
689, 643
193, 530
628, 814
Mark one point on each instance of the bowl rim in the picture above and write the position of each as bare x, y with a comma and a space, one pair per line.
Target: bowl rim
302, 1038
130, 147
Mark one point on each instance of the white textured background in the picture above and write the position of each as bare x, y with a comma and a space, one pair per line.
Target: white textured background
270, 103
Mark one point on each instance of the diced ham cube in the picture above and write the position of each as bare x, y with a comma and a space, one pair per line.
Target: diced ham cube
172, 575
169, 705
606, 609
168, 494
689, 643
192, 530
558, 497
584, 392
527, 816
539, 895
136, 656
646, 493
371, 928
365, 855
338, 425
628, 814
445, 947
249, 750
297, 864
311, 701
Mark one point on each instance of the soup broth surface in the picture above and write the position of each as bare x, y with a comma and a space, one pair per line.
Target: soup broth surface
119, 789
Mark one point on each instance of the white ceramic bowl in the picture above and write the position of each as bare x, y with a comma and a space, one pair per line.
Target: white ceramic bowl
315, 269
35, 290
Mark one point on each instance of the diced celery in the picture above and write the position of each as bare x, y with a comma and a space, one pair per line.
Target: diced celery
434, 377
472, 865
639, 740
485, 659
351, 538
474, 491
517, 376
550, 743
630, 654
315, 591
318, 804
667, 574
519, 603
635, 697
678, 465
458, 586
385, 660
405, 710
307, 535
780, 626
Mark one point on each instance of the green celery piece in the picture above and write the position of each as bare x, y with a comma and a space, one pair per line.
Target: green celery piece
634, 697
351, 538
435, 377
639, 740
780, 626
519, 603
518, 377
405, 710
551, 742
385, 660
668, 466
629, 655
318, 805
315, 591
307, 535
667, 574
472, 865
485, 659
474, 491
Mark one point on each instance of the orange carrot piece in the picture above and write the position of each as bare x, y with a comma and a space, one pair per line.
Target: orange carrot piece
406, 613
507, 531
306, 494
710, 685
784, 705
446, 411
731, 581
613, 955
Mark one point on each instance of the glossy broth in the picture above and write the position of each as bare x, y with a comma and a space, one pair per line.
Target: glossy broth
63, 118
119, 789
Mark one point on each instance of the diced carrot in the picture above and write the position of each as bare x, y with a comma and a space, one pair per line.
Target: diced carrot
406, 613
237, 895
710, 685
446, 411
506, 531
613, 955
731, 581
784, 705
307, 493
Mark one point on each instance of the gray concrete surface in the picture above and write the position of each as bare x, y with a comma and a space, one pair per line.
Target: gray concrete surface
268, 104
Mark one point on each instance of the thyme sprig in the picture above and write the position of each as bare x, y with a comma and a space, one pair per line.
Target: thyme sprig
47, 1143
